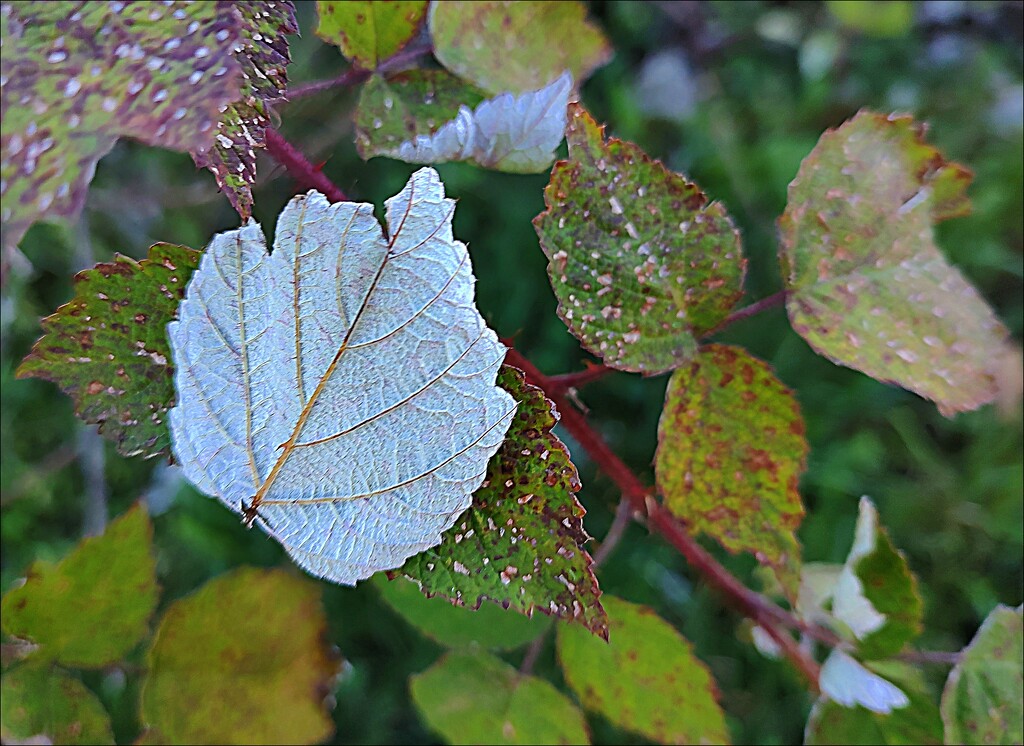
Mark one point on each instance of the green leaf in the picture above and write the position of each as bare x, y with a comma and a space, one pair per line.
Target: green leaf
645, 679
473, 697
917, 723
242, 660
108, 347
981, 703
45, 704
516, 46
521, 542
883, 19
77, 76
639, 261
869, 289
368, 32
264, 58
876, 595
731, 449
424, 116
488, 626
93, 607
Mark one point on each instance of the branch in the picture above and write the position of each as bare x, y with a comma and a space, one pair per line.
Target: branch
305, 175
356, 75
623, 515
771, 301
566, 381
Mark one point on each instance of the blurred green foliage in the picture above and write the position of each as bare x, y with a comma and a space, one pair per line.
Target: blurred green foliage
734, 94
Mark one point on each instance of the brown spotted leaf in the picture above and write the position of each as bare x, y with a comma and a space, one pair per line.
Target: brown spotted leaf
77, 76
516, 46
645, 679
369, 31
640, 262
107, 348
520, 544
731, 450
869, 289
244, 659
264, 58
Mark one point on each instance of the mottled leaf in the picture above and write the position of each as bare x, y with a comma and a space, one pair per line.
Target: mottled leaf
916, 723
638, 259
425, 117
731, 449
93, 607
77, 76
44, 704
108, 346
645, 679
369, 31
875, 595
516, 46
242, 660
263, 57
340, 391
521, 542
982, 701
473, 697
488, 626
869, 289
846, 682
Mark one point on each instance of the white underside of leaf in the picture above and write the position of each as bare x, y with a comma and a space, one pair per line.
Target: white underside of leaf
848, 683
347, 381
849, 604
512, 133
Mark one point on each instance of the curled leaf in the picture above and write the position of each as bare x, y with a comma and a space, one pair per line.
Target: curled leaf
340, 391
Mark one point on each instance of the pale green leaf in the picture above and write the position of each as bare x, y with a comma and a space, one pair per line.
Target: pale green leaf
369, 31
472, 698
982, 701
731, 449
641, 264
340, 391
516, 46
44, 704
93, 607
242, 660
488, 626
426, 117
868, 288
644, 679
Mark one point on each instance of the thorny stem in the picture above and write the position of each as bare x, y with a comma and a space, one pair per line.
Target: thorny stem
640, 498
301, 169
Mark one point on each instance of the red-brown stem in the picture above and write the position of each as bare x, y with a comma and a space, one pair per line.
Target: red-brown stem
641, 498
305, 175
771, 301
356, 75
566, 381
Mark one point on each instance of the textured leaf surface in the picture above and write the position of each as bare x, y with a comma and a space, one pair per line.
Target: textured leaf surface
43, 704
982, 701
521, 542
263, 57
92, 607
472, 698
76, 76
242, 660
368, 32
731, 450
455, 626
848, 683
108, 347
868, 287
425, 117
516, 46
917, 723
645, 679
876, 595
638, 260
341, 389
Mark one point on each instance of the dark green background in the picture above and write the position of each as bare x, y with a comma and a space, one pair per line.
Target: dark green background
761, 87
